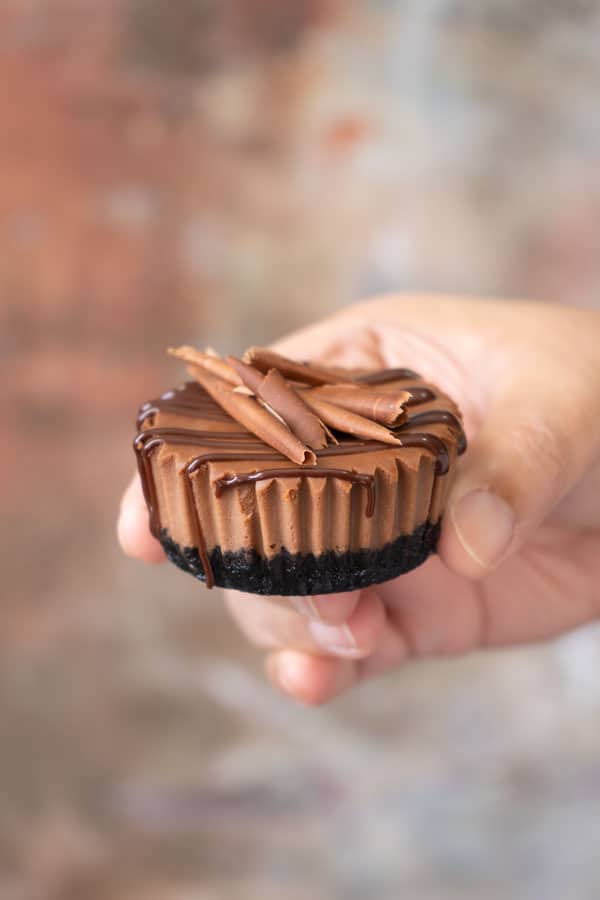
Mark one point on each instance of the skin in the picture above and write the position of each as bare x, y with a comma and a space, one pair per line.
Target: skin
519, 555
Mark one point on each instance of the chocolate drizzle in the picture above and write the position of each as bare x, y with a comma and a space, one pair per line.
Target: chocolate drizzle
439, 417
149, 440
386, 375
191, 401
250, 448
188, 400
419, 395
367, 481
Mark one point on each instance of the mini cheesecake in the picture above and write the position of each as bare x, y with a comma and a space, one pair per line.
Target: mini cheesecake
277, 477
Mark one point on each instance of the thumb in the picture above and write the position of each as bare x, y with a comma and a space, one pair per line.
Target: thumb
538, 437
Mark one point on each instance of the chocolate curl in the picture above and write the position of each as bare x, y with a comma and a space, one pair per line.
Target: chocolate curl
252, 416
305, 373
249, 376
349, 422
209, 361
381, 407
331, 438
283, 399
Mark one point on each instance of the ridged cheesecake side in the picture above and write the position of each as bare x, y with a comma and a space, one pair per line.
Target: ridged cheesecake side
225, 509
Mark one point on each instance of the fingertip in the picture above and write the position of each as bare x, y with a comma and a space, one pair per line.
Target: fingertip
311, 680
358, 636
132, 527
477, 534
334, 609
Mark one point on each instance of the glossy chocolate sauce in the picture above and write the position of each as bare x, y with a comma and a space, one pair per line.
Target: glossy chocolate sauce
367, 481
386, 375
439, 417
419, 393
191, 401
149, 440
188, 400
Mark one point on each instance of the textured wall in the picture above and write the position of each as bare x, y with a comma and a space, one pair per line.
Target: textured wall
223, 170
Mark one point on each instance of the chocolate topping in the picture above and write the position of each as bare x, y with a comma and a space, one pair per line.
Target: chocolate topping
358, 408
436, 416
305, 373
209, 361
348, 422
289, 404
368, 481
252, 416
385, 376
285, 401
386, 408
419, 395
187, 400
249, 376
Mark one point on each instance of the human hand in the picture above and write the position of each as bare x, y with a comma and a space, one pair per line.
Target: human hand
519, 554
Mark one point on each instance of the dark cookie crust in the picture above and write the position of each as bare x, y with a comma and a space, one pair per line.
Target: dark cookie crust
299, 574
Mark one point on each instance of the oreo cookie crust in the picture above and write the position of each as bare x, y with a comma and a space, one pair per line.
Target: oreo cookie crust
352, 497
298, 574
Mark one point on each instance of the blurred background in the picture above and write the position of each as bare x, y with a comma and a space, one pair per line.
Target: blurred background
221, 171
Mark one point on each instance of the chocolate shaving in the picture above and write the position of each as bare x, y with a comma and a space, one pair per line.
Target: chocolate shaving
249, 376
252, 416
295, 421
331, 438
273, 390
348, 422
209, 361
386, 408
305, 373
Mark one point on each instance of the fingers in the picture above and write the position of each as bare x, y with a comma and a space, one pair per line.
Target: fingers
315, 680
539, 436
310, 679
436, 612
527, 378
132, 527
333, 609
276, 626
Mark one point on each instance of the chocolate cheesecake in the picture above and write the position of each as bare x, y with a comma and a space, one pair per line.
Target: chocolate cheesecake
277, 477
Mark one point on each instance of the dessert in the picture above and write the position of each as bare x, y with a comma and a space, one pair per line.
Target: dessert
280, 477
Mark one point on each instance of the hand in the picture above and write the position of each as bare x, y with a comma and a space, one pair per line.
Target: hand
519, 554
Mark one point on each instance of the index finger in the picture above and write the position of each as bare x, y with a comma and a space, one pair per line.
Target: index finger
132, 528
